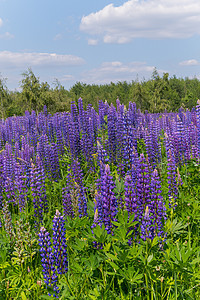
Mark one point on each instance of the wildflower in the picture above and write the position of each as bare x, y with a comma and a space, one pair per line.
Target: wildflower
106, 201
59, 243
47, 259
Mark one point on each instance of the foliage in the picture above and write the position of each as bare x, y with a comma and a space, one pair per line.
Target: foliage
68, 161
157, 94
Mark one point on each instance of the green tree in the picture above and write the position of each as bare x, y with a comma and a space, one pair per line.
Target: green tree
4, 98
34, 94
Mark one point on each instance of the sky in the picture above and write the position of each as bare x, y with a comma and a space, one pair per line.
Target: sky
96, 42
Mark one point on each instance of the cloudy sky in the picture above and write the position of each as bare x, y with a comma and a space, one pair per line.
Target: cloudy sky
98, 41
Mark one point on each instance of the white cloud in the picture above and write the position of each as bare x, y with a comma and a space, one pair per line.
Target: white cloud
6, 36
92, 42
24, 60
190, 62
58, 37
66, 78
118, 71
1, 22
144, 19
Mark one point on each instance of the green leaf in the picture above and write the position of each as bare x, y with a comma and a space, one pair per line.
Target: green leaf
149, 259
23, 296
115, 267
107, 247
155, 241
111, 256
195, 261
117, 224
77, 267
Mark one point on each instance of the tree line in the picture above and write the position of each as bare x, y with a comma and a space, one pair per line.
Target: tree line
158, 94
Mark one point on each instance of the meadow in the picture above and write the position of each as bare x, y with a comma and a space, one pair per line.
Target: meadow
100, 204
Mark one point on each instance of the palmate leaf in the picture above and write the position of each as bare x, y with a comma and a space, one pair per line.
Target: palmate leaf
100, 234
131, 275
175, 227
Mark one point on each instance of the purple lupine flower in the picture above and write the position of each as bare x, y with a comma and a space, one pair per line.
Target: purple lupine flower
60, 143
198, 124
38, 190
159, 209
134, 164
102, 113
83, 127
87, 134
120, 139
50, 129
146, 226
54, 159
16, 149
129, 143
171, 175
152, 145
81, 114
77, 182
98, 210
41, 184
143, 187
82, 202
9, 189
59, 243
102, 159
181, 140
67, 202
91, 144
149, 145
132, 113
49, 156
130, 201
146, 206
130, 196
112, 145
76, 131
1, 180
69, 135
179, 179
8, 173
194, 152
108, 201
37, 203
48, 260
45, 110
20, 186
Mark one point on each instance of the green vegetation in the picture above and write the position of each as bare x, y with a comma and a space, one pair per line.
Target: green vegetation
155, 95
116, 270
47, 161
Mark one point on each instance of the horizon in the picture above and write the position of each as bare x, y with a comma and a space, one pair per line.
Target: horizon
56, 82
98, 42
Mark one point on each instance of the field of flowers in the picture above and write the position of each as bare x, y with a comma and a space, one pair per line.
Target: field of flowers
100, 205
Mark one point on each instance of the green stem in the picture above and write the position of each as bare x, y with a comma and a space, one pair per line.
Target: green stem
147, 286
175, 286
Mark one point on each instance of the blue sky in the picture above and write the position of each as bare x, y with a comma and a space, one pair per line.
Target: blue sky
98, 41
